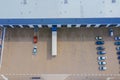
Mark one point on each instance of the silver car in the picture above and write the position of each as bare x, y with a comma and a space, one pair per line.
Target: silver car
102, 63
111, 32
100, 58
118, 48
34, 50
101, 52
102, 68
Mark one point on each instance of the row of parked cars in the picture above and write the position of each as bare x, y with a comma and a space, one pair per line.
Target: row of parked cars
101, 52
118, 52
117, 43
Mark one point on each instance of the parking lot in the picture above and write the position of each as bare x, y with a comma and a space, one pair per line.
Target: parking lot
62, 77
76, 52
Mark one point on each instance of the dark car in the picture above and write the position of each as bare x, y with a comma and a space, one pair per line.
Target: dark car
36, 78
99, 42
117, 43
119, 62
101, 52
98, 38
100, 48
118, 48
118, 53
118, 57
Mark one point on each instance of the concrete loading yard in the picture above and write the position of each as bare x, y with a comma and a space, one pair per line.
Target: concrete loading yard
76, 50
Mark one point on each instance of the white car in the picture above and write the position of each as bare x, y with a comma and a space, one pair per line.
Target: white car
102, 63
111, 33
100, 58
34, 50
101, 52
102, 68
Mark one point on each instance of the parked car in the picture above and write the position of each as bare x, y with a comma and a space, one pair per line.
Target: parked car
100, 58
117, 43
102, 63
101, 52
118, 48
100, 48
118, 57
118, 53
117, 38
111, 32
98, 38
119, 62
99, 42
34, 50
35, 39
102, 68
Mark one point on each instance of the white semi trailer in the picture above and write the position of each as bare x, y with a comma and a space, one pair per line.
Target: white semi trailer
54, 41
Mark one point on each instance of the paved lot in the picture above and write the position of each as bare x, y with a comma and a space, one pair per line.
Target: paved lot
62, 77
76, 52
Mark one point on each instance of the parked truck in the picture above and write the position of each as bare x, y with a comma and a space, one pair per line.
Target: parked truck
54, 41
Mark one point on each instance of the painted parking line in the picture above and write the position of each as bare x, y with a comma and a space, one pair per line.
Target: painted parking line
27, 74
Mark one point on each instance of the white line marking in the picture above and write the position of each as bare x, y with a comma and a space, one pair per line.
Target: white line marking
4, 30
50, 25
59, 25
5, 78
88, 25
11, 26
21, 26
27, 74
69, 26
78, 25
97, 25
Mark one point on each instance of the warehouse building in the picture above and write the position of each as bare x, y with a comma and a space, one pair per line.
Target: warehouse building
64, 40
